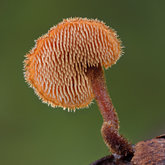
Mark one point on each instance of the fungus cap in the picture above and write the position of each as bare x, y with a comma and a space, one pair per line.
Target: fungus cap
56, 66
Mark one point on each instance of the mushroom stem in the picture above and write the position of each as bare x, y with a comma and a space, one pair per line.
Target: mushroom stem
110, 128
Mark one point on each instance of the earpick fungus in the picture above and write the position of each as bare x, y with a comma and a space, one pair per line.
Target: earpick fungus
65, 69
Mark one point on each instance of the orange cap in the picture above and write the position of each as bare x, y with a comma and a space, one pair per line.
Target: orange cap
56, 66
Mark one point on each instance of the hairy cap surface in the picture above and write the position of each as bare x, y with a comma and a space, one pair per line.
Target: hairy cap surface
56, 66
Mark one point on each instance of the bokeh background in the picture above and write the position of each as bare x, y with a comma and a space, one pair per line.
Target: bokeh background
32, 133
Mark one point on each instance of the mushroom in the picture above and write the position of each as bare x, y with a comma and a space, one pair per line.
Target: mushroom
65, 68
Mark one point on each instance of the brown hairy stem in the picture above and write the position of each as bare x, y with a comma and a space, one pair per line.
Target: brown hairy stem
110, 128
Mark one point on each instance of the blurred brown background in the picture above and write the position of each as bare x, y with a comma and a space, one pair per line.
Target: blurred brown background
32, 133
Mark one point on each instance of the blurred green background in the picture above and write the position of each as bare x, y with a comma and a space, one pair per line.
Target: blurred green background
32, 133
